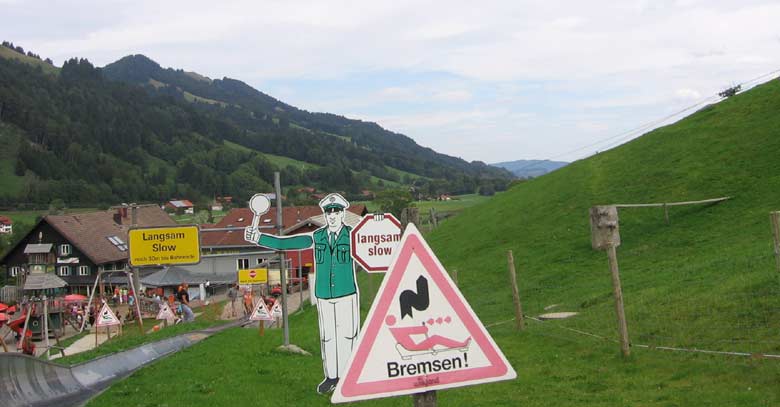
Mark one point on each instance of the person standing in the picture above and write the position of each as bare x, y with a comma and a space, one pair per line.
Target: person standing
184, 300
232, 294
335, 287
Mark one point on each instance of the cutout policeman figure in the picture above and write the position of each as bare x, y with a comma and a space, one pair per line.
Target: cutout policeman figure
335, 286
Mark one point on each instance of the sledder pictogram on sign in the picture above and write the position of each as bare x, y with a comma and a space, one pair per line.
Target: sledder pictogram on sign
261, 312
420, 334
106, 317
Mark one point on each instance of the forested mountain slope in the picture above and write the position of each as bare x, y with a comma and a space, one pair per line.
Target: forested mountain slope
75, 134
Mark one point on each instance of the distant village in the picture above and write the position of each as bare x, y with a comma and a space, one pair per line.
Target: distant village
76, 248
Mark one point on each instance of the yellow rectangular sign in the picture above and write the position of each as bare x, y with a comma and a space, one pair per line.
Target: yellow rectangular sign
253, 276
163, 246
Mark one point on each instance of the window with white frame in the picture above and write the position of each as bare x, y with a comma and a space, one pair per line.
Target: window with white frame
64, 271
83, 270
14, 271
65, 250
243, 264
260, 261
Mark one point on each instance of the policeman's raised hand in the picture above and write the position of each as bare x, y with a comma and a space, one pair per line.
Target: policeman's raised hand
252, 234
378, 217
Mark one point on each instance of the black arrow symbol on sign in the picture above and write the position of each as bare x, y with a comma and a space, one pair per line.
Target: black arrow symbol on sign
418, 300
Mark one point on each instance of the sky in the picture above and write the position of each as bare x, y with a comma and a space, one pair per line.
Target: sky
490, 81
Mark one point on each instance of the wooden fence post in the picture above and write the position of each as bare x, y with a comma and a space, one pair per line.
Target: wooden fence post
605, 235
519, 322
618, 292
775, 218
434, 220
666, 213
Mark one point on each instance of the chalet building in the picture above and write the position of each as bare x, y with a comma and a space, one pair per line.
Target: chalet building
180, 206
75, 246
6, 225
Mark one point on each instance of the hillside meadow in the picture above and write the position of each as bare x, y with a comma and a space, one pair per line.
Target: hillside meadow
704, 282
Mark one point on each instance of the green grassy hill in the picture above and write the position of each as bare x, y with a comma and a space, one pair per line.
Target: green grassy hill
706, 281
8, 53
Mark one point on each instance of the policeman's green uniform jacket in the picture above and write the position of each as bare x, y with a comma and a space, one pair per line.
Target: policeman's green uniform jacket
335, 274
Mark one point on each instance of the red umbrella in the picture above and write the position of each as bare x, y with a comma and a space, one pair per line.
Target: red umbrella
11, 309
3, 307
75, 297
3, 317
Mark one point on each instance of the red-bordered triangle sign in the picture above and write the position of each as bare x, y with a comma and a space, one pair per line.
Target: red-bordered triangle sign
261, 312
106, 317
420, 334
276, 309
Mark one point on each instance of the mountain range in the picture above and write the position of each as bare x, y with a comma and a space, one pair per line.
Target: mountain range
530, 168
133, 130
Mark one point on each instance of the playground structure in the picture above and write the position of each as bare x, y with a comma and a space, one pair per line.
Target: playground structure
38, 318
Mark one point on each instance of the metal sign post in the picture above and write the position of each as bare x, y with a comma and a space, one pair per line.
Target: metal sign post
282, 270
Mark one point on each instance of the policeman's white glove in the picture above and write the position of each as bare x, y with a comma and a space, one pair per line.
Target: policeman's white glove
378, 217
251, 234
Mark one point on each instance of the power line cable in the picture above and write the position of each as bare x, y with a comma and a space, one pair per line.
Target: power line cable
627, 135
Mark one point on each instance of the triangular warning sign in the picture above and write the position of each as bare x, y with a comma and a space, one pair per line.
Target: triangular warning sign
261, 312
276, 309
420, 334
165, 313
106, 317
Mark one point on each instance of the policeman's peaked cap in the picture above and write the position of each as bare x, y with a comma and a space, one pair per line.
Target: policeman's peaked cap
333, 200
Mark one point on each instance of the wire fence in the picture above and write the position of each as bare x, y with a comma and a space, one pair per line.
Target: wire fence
728, 306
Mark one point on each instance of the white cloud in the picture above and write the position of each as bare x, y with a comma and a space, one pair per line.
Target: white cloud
639, 58
453, 96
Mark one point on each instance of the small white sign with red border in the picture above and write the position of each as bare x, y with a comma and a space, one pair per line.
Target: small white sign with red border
165, 313
276, 309
261, 312
374, 241
420, 334
106, 317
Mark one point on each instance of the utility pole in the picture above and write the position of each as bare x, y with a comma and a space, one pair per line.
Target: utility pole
135, 280
277, 184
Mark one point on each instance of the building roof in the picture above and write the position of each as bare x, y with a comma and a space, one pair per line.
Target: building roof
43, 281
292, 218
181, 203
5, 220
90, 232
36, 248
